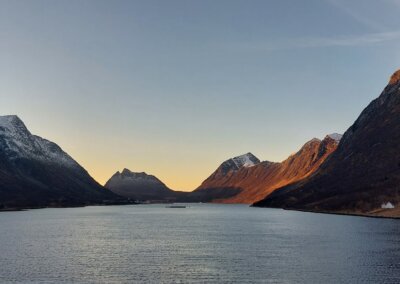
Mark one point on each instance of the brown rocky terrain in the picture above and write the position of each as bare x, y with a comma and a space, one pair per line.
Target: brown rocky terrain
250, 184
363, 173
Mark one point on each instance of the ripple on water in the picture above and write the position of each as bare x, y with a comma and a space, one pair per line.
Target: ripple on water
200, 244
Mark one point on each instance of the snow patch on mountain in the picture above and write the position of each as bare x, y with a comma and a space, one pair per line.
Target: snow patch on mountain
247, 160
335, 136
17, 142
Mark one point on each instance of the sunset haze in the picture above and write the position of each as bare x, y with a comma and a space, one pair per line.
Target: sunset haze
174, 88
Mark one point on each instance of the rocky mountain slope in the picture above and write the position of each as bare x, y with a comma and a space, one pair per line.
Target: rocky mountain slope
35, 172
363, 174
250, 184
217, 185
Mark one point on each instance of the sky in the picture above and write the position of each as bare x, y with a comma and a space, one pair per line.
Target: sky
174, 88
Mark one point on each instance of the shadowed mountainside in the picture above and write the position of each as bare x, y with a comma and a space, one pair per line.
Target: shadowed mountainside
363, 173
35, 172
141, 186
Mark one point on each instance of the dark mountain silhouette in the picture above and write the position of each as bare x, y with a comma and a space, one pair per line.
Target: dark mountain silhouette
35, 172
140, 186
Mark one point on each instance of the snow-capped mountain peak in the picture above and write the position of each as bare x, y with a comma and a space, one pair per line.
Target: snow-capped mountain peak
243, 161
17, 142
13, 127
247, 160
335, 136
11, 122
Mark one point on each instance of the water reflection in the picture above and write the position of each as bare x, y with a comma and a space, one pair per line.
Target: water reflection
201, 243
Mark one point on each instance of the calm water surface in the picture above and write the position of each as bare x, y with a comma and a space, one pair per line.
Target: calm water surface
200, 244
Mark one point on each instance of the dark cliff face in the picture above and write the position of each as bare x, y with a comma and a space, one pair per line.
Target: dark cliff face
250, 184
363, 172
36, 172
139, 186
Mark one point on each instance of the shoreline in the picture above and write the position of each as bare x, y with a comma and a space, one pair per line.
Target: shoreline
334, 213
16, 209
346, 214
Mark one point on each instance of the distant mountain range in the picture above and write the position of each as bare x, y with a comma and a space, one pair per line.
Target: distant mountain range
35, 172
358, 173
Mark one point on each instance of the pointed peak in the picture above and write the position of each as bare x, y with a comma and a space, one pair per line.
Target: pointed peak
395, 77
10, 120
13, 124
248, 154
128, 175
246, 160
10, 117
126, 171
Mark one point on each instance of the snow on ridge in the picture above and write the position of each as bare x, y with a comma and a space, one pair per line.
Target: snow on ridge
18, 142
247, 160
8, 121
52, 152
12, 125
335, 136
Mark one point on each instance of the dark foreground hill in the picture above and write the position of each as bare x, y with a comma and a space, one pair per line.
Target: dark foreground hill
363, 175
35, 172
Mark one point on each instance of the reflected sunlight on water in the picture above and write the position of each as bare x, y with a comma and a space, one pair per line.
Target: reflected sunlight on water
202, 243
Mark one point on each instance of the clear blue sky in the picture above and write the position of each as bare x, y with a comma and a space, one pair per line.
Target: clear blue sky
173, 88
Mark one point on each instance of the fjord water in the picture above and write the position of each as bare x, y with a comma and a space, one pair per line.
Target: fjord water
203, 243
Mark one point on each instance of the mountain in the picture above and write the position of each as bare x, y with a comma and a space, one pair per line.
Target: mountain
35, 172
363, 174
228, 168
140, 186
249, 184
217, 185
